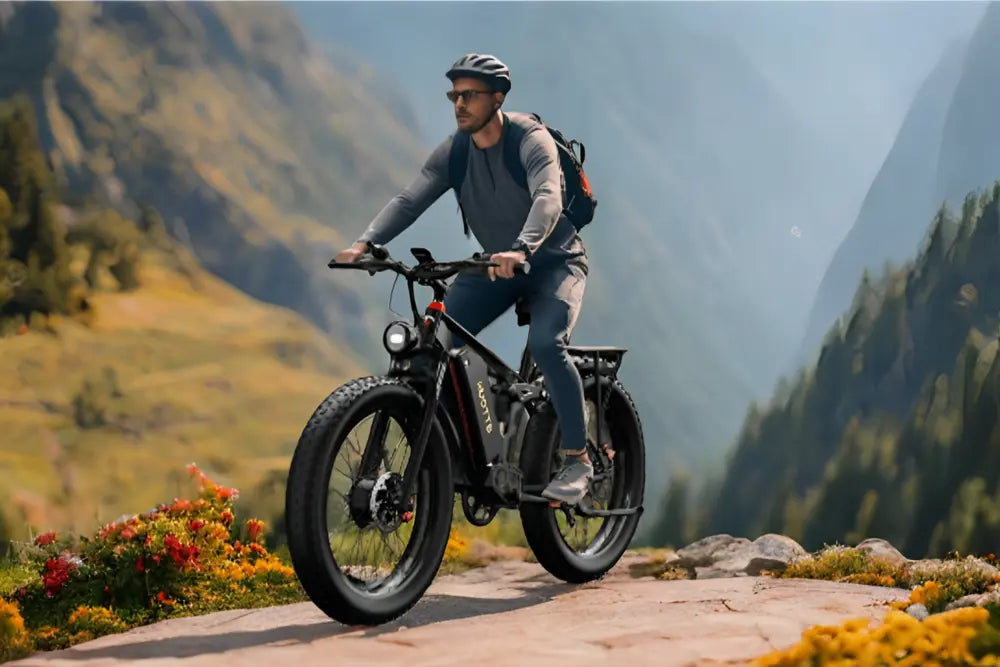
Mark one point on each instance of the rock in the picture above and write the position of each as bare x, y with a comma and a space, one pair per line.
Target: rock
975, 600
918, 611
779, 547
757, 565
727, 556
710, 550
879, 548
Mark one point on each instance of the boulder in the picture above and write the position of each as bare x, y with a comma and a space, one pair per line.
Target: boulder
878, 548
723, 555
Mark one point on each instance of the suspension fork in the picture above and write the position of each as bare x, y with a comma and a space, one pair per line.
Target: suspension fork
428, 331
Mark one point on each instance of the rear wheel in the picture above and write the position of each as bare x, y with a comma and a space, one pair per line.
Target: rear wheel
587, 550
359, 560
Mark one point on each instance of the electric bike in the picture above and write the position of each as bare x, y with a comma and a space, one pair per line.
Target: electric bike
368, 518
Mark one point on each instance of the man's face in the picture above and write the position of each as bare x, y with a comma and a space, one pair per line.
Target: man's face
475, 103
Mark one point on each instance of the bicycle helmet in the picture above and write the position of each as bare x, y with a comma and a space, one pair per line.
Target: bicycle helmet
482, 66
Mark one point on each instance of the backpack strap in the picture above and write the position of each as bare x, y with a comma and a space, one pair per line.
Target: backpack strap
513, 136
458, 164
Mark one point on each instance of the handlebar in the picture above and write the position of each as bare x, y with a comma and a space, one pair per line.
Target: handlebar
427, 271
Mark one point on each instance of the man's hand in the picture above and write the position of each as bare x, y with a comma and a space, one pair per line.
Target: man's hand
507, 261
351, 255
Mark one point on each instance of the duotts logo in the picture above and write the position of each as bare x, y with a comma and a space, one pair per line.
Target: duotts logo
485, 406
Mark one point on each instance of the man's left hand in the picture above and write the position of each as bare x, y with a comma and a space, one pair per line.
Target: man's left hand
507, 261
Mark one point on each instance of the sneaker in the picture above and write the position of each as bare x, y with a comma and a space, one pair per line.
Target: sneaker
571, 483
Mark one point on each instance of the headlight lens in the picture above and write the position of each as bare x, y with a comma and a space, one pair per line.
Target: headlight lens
399, 337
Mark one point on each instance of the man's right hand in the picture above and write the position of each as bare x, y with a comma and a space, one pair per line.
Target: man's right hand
351, 254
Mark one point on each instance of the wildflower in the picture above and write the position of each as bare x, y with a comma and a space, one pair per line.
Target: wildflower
162, 597
57, 573
254, 528
223, 493
227, 517
127, 533
45, 539
194, 525
139, 565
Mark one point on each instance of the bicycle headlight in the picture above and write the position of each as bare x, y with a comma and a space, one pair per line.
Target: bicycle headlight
399, 337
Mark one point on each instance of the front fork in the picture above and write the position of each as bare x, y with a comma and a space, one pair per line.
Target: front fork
428, 334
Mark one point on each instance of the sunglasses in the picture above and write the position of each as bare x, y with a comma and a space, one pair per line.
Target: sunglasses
466, 95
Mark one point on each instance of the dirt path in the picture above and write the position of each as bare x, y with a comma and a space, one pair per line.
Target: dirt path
509, 613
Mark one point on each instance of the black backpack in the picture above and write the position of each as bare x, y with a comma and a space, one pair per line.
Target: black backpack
579, 201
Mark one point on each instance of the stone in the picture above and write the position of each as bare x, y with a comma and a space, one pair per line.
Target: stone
710, 550
757, 565
878, 548
918, 611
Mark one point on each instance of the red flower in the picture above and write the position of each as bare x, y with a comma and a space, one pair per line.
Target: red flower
156, 559
254, 529
227, 517
181, 505
127, 533
139, 566
183, 555
194, 525
45, 539
223, 493
57, 572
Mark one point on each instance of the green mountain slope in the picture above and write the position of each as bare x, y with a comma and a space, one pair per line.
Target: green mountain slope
260, 156
894, 432
122, 360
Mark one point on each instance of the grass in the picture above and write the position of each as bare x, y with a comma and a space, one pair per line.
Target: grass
203, 373
948, 579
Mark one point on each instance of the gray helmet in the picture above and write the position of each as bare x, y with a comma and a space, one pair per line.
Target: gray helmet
482, 66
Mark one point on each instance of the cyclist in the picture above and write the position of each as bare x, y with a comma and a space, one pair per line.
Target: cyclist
514, 226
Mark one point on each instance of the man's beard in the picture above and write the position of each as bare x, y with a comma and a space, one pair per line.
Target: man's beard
476, 126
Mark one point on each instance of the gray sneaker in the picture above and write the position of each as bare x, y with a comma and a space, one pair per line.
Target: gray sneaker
571, 483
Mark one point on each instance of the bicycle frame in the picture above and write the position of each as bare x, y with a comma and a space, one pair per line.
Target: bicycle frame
421, 343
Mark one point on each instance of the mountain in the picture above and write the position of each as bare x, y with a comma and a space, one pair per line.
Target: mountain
122, 359
944, 148
893, 433
260, 155
698, 167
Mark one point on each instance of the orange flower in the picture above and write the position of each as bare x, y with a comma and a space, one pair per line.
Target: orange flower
162, 597
227, 517
127, 533
222, 493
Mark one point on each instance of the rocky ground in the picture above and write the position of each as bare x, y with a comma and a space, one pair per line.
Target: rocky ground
705, 604
514, 613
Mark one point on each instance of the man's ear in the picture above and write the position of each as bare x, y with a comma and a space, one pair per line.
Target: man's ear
498, 99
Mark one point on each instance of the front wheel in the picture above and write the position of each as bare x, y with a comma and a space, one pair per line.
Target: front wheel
360, 560
587, 550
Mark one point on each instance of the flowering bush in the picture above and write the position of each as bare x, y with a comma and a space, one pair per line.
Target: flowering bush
178, 559
941, 639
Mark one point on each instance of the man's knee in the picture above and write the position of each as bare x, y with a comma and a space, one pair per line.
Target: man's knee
546, 347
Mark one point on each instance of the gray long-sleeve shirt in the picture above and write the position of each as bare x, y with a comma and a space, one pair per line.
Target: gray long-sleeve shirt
499, 211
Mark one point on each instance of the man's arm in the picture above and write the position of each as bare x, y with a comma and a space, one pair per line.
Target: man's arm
540, 158
403, 209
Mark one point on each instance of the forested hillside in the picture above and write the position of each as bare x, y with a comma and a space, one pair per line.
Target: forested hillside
895, 432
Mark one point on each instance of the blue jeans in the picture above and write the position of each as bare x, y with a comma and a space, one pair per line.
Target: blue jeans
553, 296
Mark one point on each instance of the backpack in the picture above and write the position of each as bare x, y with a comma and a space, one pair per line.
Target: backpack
579, 201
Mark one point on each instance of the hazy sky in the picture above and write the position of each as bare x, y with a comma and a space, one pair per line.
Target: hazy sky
850, 68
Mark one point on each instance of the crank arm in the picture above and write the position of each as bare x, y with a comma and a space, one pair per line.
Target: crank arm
581, 509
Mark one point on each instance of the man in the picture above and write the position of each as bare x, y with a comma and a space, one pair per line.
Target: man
514, 225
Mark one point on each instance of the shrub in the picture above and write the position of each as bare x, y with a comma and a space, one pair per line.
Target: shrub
901, 639
175, 560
